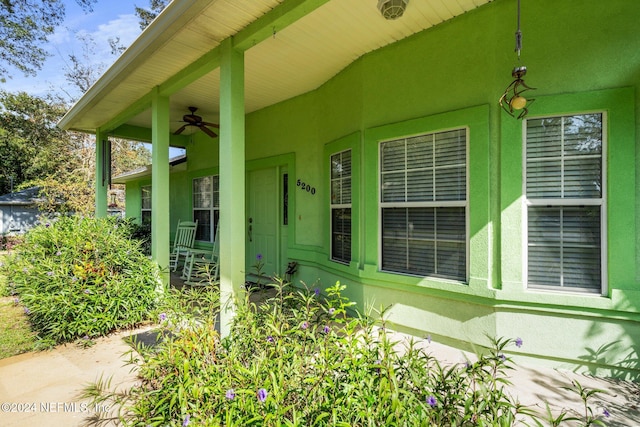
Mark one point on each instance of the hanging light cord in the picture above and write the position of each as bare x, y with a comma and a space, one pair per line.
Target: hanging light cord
518, 35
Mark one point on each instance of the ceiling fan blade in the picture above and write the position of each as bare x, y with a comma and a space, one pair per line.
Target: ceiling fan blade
213, 125
179, 131
208, 131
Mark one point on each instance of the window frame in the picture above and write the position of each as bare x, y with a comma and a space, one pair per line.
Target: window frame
340, 206
429, 204
213, 209
560, 202
144, 210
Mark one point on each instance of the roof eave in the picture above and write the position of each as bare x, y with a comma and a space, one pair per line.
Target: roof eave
139, 51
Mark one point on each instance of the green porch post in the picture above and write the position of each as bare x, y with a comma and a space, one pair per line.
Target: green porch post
160, 135
232, 181
102, 177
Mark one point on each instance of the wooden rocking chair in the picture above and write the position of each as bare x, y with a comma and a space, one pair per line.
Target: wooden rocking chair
183, 242
200, 267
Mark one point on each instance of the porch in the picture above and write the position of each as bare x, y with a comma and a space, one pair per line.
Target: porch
257, 296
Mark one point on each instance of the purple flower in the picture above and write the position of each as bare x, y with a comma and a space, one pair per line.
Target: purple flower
259, 257
47, 225
186, 421
606, 413
262, 395
49, 273
270, 339
231, 394
16, 301
162, 317
431, 401
502, 357
58, 253
86, 337
316, 291
87, 291
326, 329
518, 342
331, 311
27, 311
429, 338
304, 325
377, 362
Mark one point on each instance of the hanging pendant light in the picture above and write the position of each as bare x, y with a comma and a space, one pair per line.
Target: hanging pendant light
392, 9
513, 100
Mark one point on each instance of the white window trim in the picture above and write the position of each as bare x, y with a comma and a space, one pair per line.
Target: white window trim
465, 204
142, 208
333, 206
211, 209
602, 202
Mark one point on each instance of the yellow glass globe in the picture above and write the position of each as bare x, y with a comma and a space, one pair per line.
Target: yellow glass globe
518, 102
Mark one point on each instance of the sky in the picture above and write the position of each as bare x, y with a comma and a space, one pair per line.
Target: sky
109, 19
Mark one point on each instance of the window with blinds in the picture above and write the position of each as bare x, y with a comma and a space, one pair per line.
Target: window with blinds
423, 203
206, 206
341, 206
145, 211
564, 184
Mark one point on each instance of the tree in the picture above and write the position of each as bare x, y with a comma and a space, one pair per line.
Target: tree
31, 145
146, 16
25, 25
33, 150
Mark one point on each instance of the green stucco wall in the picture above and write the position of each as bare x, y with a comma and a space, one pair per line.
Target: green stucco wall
580, 57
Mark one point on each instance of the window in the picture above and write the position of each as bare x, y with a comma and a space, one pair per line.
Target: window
564, 189
285, 199
145, 211
423, 202
206, 207
341, 206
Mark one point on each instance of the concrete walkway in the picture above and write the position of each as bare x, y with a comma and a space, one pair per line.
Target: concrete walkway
41, 389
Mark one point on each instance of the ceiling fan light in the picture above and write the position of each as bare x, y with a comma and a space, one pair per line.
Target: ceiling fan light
392, 9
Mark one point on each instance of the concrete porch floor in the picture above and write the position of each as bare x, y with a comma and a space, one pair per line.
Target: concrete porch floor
41, 388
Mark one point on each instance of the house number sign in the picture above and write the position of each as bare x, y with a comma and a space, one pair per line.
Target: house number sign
306, 187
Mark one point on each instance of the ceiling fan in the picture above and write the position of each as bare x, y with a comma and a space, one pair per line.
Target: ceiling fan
194, 120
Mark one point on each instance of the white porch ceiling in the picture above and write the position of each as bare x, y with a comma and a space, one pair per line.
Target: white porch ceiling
292, 61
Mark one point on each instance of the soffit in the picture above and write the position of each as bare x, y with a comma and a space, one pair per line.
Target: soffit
294, 60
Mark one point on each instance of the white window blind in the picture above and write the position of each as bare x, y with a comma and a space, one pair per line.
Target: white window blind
564, 188
423, 194
206, 206
341, 206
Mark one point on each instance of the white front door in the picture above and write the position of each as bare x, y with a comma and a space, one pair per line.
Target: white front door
262, 222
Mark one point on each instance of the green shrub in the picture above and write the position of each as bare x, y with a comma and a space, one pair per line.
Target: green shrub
81, 277
141, 233
299, 360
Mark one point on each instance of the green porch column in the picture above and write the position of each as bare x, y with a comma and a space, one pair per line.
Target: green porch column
102, 177
232, 182
160, 135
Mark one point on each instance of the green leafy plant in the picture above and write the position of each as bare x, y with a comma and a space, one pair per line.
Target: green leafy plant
141, 233
79, 278
299, 359
586, 395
